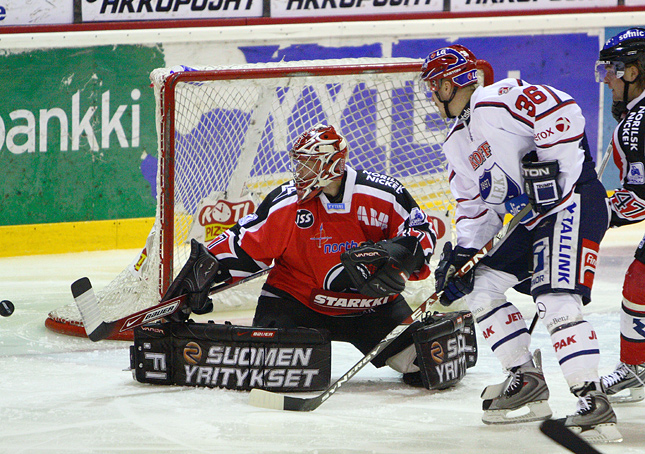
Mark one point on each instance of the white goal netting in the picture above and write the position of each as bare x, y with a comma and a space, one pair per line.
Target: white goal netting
224, 133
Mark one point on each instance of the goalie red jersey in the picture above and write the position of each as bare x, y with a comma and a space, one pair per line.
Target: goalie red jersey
305, 241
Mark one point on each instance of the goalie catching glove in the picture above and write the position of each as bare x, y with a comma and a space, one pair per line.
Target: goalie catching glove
450, 262
196, 277
382, 269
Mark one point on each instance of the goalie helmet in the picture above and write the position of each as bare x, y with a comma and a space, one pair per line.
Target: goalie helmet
318, 158
624, 48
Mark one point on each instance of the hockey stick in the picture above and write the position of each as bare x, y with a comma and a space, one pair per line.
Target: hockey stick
97, 328
268, 399
605, 161
558, 432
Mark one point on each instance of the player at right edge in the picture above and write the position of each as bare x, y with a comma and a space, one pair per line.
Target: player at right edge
621, 66
513, 143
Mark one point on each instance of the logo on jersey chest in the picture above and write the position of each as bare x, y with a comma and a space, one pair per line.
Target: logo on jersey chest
320, 237
373, 218
346, 301
496, 187
304, 219
477, 158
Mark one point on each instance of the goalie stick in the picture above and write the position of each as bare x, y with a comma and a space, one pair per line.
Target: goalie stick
268, 399
98, 329
561, 434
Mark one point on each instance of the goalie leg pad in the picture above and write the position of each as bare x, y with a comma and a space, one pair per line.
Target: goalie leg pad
233, 357
446, 346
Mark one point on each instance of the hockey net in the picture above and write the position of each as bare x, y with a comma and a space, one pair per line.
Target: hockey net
223, 136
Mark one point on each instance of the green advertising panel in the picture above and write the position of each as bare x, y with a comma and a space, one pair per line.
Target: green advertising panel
77, 134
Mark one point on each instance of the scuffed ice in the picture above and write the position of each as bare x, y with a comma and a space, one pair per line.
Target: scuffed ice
68, 395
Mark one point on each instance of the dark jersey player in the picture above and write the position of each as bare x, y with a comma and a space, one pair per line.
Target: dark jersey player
621, 66
303, 227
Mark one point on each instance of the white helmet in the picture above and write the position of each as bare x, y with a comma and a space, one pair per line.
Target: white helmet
318, 158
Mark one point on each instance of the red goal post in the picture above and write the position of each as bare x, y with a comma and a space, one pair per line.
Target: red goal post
223, 137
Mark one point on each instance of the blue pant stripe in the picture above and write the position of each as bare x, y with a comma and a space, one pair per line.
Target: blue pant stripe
580, 353
517, 333
493, 311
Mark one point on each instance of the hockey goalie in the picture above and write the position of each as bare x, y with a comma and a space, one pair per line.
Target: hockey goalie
342, 244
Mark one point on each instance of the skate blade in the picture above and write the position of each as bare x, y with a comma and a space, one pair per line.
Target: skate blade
634, 395
533, 411
602, 433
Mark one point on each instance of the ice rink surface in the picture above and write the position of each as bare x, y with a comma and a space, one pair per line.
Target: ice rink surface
68, 395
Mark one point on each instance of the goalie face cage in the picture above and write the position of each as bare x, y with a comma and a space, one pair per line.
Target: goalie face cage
224, 135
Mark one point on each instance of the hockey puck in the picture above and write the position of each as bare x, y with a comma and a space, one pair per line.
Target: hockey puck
6, 308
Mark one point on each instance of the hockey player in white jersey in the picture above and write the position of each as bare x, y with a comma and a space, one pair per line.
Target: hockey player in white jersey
513, 143
621, 66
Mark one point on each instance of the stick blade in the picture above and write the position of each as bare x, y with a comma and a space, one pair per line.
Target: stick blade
88, 306
558, 432
266, 399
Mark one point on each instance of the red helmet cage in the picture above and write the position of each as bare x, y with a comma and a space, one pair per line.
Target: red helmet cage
318, 157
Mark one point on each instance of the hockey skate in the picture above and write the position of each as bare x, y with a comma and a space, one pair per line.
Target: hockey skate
625, 384
594, 420
522, 397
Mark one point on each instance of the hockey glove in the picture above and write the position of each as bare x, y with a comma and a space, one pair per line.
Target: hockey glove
450, 262
541, 182
380, 269
195, 279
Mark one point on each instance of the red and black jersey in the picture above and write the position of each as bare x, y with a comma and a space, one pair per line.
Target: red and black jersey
305, 241
628, 146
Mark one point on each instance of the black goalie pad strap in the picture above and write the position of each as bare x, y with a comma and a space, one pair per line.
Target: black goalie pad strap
446, 346
233, 357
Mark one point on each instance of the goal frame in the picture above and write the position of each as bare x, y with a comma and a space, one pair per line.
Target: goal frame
160, 258
167, 130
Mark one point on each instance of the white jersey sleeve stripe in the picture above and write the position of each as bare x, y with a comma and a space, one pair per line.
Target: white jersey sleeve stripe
500, 105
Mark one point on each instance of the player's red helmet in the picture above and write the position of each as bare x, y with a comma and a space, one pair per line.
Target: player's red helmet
456, 63
318, 158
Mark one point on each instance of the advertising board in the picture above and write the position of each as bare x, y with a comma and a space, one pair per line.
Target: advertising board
137, 10
36, 12
303, 8
526, 5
